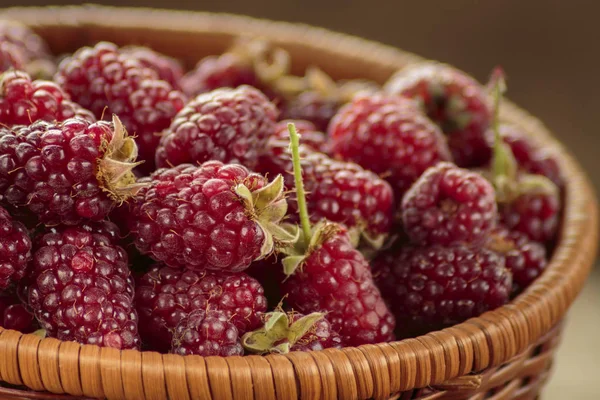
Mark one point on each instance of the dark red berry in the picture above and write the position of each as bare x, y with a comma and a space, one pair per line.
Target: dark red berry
449, 205
201, 217
321, 336
390, 136
66, 172
15, 249
525, 258
23, 101
310, 136
313, 107
105, 80
164, 296
14, 315
335, 278
430, 288
167, 68
207, 334
81, 287
228, 125
454, 101
537, 215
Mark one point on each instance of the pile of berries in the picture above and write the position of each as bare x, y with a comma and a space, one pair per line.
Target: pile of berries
237, 209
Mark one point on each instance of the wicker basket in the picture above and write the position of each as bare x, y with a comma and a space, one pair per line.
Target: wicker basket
504, 354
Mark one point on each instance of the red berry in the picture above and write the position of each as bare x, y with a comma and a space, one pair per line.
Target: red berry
534, 214
207, 334
525, 258
23, 101
454, 101
81, 287
11, 57
105, 80
167, 68
66, 172
313, 107
321, 336
431, 288
335, 278
14, 315
201, 218
164, 296
228, 125
15, 249
389, 136
31, 45
311, 137
338, 191
449, 205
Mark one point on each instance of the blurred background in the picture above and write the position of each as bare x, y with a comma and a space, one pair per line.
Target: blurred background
550, 51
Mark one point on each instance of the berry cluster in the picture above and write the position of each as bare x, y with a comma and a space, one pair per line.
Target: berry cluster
237, 209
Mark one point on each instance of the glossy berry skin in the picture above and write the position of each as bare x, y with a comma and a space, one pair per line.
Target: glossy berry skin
14, 315
214, 72
310, 136
454, 101
105, 80
449, 205
164, 296
52, 169
338, 191
15, 249
168, 69
81, 287
190, 217
430, 288
207, 334
530, 158
335, 278
227, 125
313, 107
388, 135
321, 336
525, 259
23, 101
537, 215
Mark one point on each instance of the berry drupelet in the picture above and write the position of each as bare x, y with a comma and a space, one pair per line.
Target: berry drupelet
454, 101
430, 288
15, 249
227, 125
311, 136
168, 69
23, 101
284, 332
164, 296
67, 172
206, 333
81, 288
449, 205
388, 135
14, 314
106, 80
213, 216
535, 214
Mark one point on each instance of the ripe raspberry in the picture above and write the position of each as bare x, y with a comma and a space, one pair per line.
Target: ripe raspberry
207, 334
81, 287
32, 46
67, 172
228, 125
530, 158
15, 249
525, 259
430, 288
14, 315
311, 137
11, 57
23, 101
225, 71
164, 296
533, 214
105, 80
389, 136
313, 107
285, 332
335, 278
449, 205
338, 191
215, 216
454, 101
167, 68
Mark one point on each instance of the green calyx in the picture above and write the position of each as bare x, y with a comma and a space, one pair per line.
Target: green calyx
279, 334
268, 206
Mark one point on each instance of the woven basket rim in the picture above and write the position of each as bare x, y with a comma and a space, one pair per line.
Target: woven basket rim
476, 344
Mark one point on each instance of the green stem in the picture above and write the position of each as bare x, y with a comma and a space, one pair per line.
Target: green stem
300, 194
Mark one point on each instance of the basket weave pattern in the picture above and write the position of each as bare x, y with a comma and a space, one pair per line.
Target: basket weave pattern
504, 354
